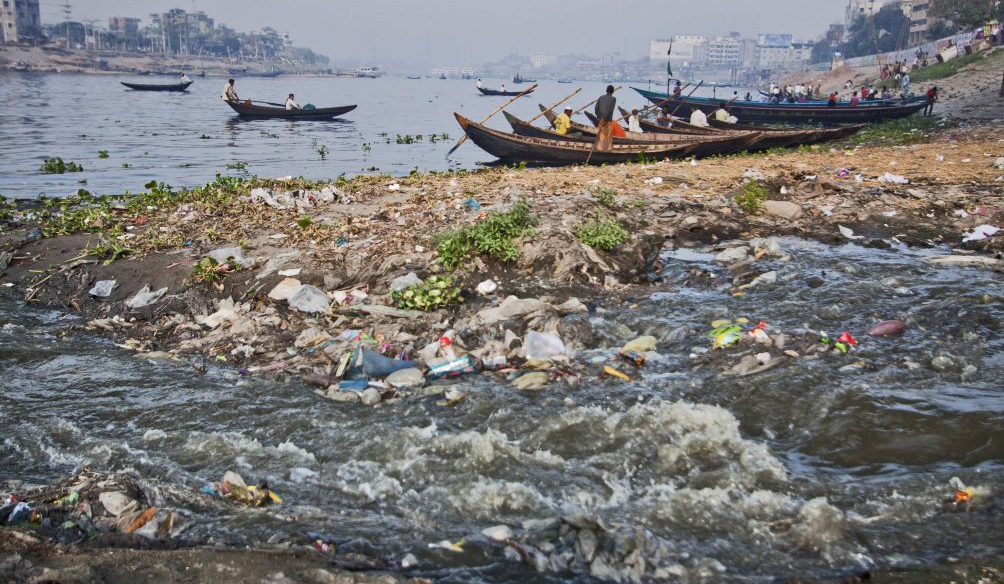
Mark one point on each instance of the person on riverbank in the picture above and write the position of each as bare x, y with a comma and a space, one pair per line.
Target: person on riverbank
563, 122
185, 79
478, 84
906, 85
932, 96
604, 111
291, 103
229, 93
832, 101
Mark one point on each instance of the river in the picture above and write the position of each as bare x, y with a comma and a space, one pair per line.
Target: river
815, 468
184, 139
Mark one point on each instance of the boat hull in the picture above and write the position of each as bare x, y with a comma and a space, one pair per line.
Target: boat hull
495, 92
513, 148
251, 111
789, 113
157, 86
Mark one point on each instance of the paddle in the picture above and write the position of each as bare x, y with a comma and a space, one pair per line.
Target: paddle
567, 97
699, 84
581, 109
497, 110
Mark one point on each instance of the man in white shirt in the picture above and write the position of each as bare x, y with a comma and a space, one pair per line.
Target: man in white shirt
185, 79
229, 93
291, 104
479, 83
634, 124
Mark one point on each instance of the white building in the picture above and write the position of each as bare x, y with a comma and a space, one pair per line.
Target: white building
778, 50
538, 60
725, 51
688, 50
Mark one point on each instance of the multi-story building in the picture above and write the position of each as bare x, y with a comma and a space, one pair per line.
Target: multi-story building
539, 60
919, 21
778, 50
725, 51
19, 20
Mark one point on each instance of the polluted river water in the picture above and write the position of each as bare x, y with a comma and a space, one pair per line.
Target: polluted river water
815, 468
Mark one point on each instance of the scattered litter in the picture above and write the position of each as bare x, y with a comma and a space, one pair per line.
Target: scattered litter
979, 233
487, 287
655, 180
291, 272
472, 205
102, 288
849, 233
463, 365
543, 345
309, 299
234, 488
223, 255
961, 213
889, 213
394, 187
939, 158
608, 370
887, 327
402, 282
894, 178
449, 546
531, 380
145, 297
843, 172
999, 163
285, 289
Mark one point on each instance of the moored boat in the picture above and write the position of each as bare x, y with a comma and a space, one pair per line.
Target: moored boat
789, 113
249, 109
513, 148
495, 92
180, 86
711, 145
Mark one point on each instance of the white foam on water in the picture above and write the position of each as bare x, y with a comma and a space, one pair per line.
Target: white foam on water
151, 435
300, 474
367, 479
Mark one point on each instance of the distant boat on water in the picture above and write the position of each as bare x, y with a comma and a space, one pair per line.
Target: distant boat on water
517, 79
564, 80
158, 86
414, 77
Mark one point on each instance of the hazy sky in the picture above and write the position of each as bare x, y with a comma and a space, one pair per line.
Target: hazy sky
471, 32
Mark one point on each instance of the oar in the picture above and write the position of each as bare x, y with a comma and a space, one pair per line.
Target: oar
701, 82
497, 110
567, 97
583, 108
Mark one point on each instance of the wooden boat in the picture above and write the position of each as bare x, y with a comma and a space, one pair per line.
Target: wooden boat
496, 92
414, 77
250, 110
789, 113
772, 137
158, 86
711, 145
564, 80
513, 148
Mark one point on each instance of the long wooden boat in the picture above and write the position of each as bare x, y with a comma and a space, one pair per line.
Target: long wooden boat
789, 113
772, 137
158, 86
513, 148
710, 145
496, 92
250, 110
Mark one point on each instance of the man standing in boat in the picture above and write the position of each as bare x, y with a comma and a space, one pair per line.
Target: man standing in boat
229, 93
479, 83
291, 104
604, 111
185, 79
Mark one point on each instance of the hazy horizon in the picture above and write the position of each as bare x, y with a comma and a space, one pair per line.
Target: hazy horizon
471, 32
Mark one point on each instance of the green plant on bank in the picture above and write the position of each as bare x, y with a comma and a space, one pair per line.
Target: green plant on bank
909, 130
604, 234
238, 166
304, 221
206, 270
750, 197
7, 209
492, 236
111, 249
57, 166
606, 196
102, 154
946, 69
436, 292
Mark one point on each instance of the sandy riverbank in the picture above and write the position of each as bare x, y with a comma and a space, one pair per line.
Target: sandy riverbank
59, 60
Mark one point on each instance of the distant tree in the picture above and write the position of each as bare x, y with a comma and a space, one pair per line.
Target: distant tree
887, 30
939, 30
967, 13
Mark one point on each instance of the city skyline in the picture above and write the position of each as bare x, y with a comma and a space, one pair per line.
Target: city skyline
457, 32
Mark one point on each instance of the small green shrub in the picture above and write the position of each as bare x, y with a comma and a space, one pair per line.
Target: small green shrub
57, 166
751, 197
436, 292
492, 236
102, 154
304, 221
606, 197
604, 234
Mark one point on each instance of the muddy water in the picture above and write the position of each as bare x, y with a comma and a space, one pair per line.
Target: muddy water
814, 468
